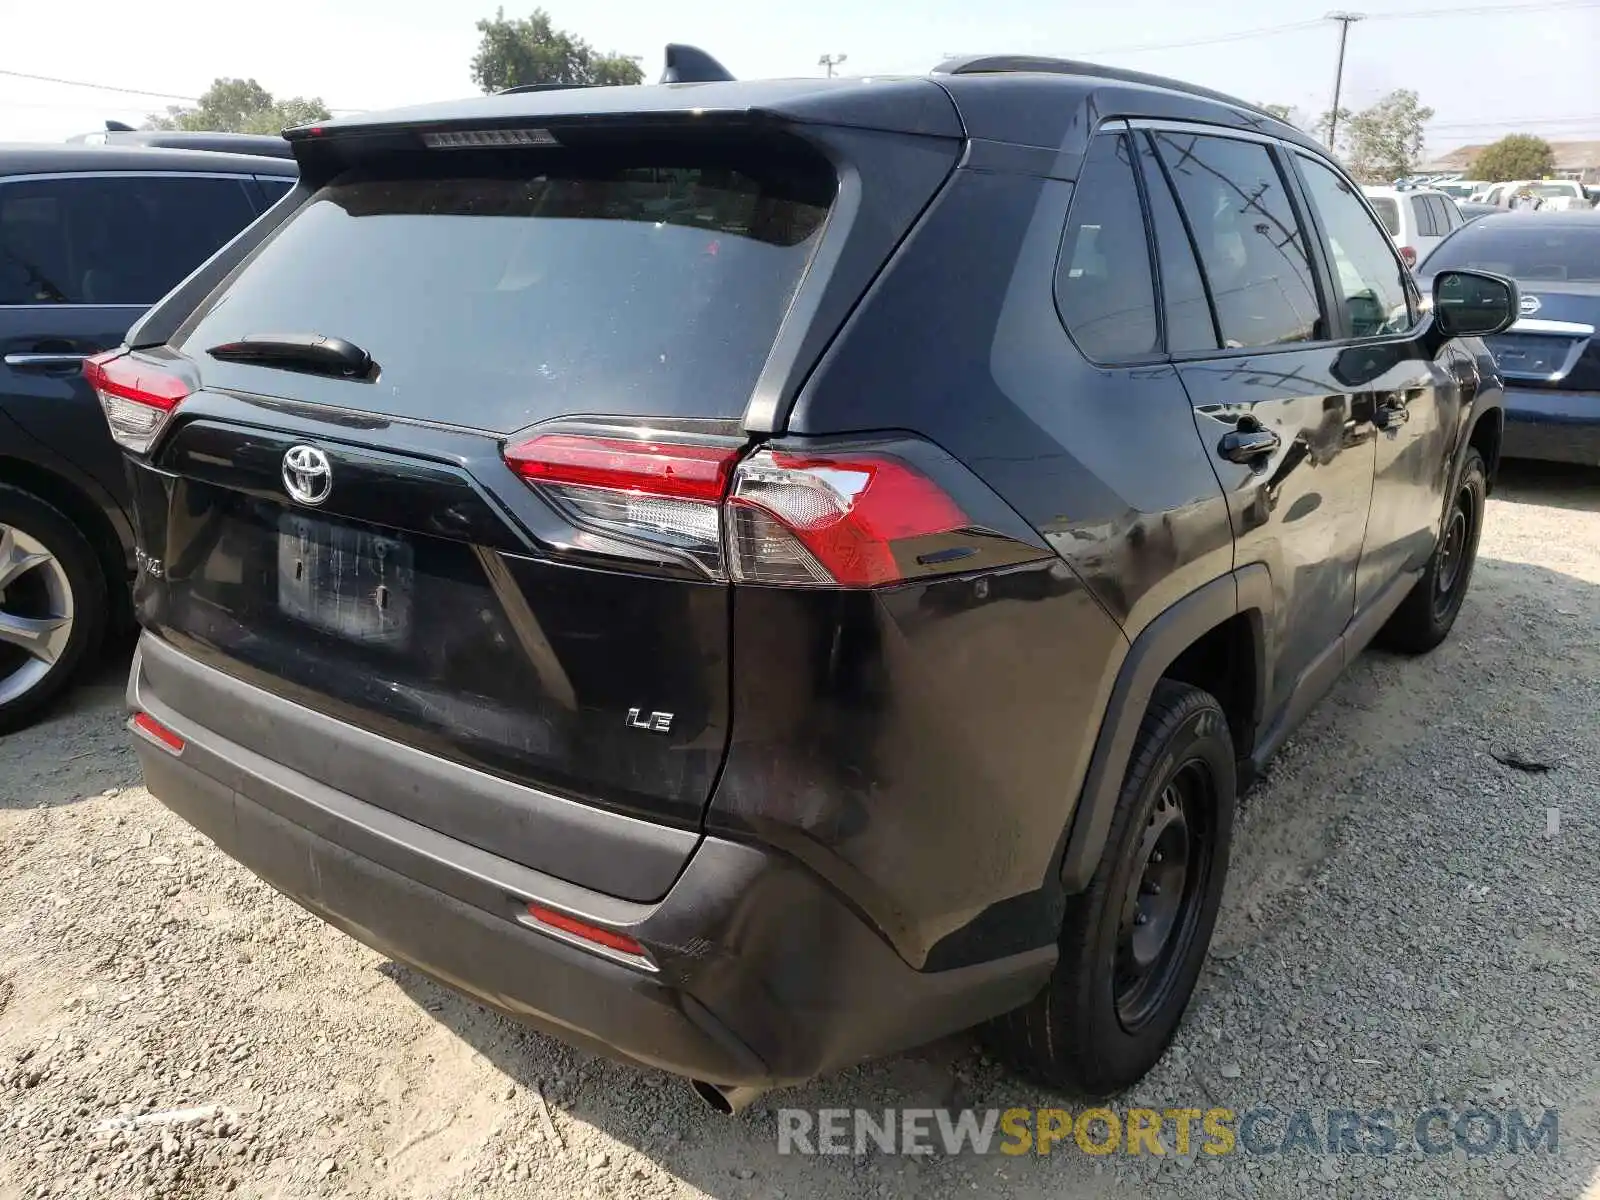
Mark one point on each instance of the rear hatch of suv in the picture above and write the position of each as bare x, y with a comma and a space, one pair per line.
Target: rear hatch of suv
445, 452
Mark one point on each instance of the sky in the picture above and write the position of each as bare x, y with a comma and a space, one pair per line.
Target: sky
1486, 73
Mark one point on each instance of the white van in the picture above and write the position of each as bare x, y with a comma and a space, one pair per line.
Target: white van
1417, 218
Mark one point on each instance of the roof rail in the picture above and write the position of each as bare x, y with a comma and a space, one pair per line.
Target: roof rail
519, 88
984, 64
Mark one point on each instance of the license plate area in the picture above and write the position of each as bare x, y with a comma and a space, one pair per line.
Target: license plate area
345, 580
1530, 354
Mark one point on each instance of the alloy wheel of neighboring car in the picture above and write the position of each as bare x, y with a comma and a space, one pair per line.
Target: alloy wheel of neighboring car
52, 604
36, 612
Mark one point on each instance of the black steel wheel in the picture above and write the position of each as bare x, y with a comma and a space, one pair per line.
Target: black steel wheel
1425, 617
1163, 900
1133, 943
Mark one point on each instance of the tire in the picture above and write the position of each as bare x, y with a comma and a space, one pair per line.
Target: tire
53, 595
1425, 616
1093, 1031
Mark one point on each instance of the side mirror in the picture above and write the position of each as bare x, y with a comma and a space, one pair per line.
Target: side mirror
1473, 303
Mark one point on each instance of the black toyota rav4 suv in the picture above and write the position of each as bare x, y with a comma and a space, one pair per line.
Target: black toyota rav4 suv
748, 576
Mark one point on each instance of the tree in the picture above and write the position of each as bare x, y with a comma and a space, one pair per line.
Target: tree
1281, 111
241, 106
1518, 156
1385, 141
533, 50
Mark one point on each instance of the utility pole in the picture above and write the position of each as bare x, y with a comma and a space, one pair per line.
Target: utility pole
829, 61
1344, 19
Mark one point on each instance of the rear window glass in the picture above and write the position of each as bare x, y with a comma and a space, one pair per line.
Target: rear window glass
1527, 250
1388, 212
496, 291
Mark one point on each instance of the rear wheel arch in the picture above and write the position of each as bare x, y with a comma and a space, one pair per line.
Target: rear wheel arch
1487, 432
1216, 638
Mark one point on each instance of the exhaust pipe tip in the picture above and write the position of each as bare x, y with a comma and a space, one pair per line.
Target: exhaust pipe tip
728, 1101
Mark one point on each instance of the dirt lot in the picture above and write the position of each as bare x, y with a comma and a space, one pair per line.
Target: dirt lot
1407, 925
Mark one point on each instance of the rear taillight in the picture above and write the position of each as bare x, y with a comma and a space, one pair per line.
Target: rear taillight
850, 519
830, 521
621, 492
1409, 254
137, 396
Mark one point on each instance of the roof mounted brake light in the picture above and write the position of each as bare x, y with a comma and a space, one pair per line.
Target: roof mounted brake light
475, 139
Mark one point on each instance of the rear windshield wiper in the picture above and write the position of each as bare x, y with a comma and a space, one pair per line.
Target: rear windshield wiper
311, 352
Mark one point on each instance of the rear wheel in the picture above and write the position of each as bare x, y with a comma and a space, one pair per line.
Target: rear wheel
1424, 618
52, 604
1133, 943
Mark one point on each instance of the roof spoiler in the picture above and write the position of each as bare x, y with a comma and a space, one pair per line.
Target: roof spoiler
690, 64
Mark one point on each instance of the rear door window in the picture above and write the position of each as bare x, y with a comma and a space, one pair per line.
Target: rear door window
1250, 241
112, 239
1183, 292
1423, 215
1388, 212
1104, 288
493, 290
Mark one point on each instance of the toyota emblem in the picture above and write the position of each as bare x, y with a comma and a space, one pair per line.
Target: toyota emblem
1530, 305
307, 474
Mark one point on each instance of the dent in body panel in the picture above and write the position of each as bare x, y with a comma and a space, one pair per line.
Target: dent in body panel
1300, 510
985, 370
920, 747
1413, 458
1147, 523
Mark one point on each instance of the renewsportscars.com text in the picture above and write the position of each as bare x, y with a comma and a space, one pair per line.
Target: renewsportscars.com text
1262, 1130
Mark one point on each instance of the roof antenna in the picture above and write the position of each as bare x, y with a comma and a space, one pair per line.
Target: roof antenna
118, 127
690, 64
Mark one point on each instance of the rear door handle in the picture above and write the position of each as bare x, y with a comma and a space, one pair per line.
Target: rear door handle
45, 362
1248, 446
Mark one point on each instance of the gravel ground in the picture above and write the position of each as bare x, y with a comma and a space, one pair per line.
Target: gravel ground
1402, 928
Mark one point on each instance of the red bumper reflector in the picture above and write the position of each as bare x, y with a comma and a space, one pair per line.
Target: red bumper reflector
582, 929
155, 731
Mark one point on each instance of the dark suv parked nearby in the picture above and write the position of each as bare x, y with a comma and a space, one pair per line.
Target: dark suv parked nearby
747, 576
89, 237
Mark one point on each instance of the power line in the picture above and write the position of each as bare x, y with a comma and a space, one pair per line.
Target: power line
1590, 122
1238, 36
1484, 10
99, 87
106, 87
1419, 14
